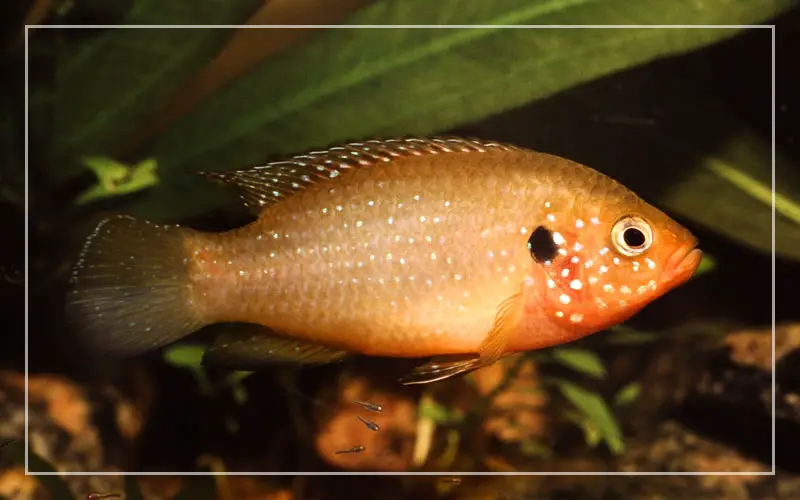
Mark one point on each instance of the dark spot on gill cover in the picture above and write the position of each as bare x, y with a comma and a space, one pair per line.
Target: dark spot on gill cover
541, 245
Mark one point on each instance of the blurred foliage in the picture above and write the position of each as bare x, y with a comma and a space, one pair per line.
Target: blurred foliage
356, 83
627, 394
106, 85
115, 179
581, 360
592, 415
54, 483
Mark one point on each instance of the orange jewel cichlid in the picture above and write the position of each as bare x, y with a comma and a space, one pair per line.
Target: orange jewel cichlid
462, 250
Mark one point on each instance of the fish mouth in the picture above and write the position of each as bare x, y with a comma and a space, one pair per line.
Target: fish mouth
684, 262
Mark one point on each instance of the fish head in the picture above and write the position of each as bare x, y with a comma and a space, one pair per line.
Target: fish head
602, 259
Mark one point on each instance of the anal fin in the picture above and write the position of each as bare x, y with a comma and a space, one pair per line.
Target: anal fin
247, 345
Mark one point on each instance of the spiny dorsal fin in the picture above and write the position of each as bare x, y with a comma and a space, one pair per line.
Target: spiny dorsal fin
261, 185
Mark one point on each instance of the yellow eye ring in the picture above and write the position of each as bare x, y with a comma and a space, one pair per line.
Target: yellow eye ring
631, 235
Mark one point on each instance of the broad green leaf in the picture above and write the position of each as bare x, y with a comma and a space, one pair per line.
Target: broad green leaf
115, 179
627, 394
581, 360
107, 84
355, 83
594, 408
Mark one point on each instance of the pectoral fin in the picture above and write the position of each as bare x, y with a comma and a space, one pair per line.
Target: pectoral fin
246, 345
495, 344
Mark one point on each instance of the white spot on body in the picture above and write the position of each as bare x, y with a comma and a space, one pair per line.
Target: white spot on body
576, 284
576, 317
564, 298
558, 238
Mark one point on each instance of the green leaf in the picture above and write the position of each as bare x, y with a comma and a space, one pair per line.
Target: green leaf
116, 179
708, 263
627, 394
581, 360
595, 409
532, 448
240, 395
114, 79
438, 413
238, 376
622, 334
185, 356
355, 83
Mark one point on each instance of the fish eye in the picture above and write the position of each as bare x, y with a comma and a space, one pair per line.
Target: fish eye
631, 235
541, 245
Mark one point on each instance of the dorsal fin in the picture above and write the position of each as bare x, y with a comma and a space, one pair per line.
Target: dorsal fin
264, 184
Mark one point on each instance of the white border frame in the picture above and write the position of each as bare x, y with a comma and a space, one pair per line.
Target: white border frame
771, 27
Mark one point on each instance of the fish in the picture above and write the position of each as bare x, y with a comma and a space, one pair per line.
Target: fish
354, 449
369, 406
455, 252
370, 424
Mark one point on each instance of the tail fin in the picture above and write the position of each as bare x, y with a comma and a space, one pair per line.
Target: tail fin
130, 288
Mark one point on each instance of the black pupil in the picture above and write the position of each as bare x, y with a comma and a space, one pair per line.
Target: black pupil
541, 245
633, 237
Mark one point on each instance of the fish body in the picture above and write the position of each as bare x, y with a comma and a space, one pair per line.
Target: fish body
403, 248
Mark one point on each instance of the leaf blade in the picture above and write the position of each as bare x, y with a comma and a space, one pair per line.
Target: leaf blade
109, 83
363, 75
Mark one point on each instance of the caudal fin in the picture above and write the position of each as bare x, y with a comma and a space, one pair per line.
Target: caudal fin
130, 291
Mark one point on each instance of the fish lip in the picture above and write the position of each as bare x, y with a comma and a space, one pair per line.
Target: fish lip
683, 263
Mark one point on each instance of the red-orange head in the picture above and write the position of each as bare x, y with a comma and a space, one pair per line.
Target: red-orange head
599, 255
